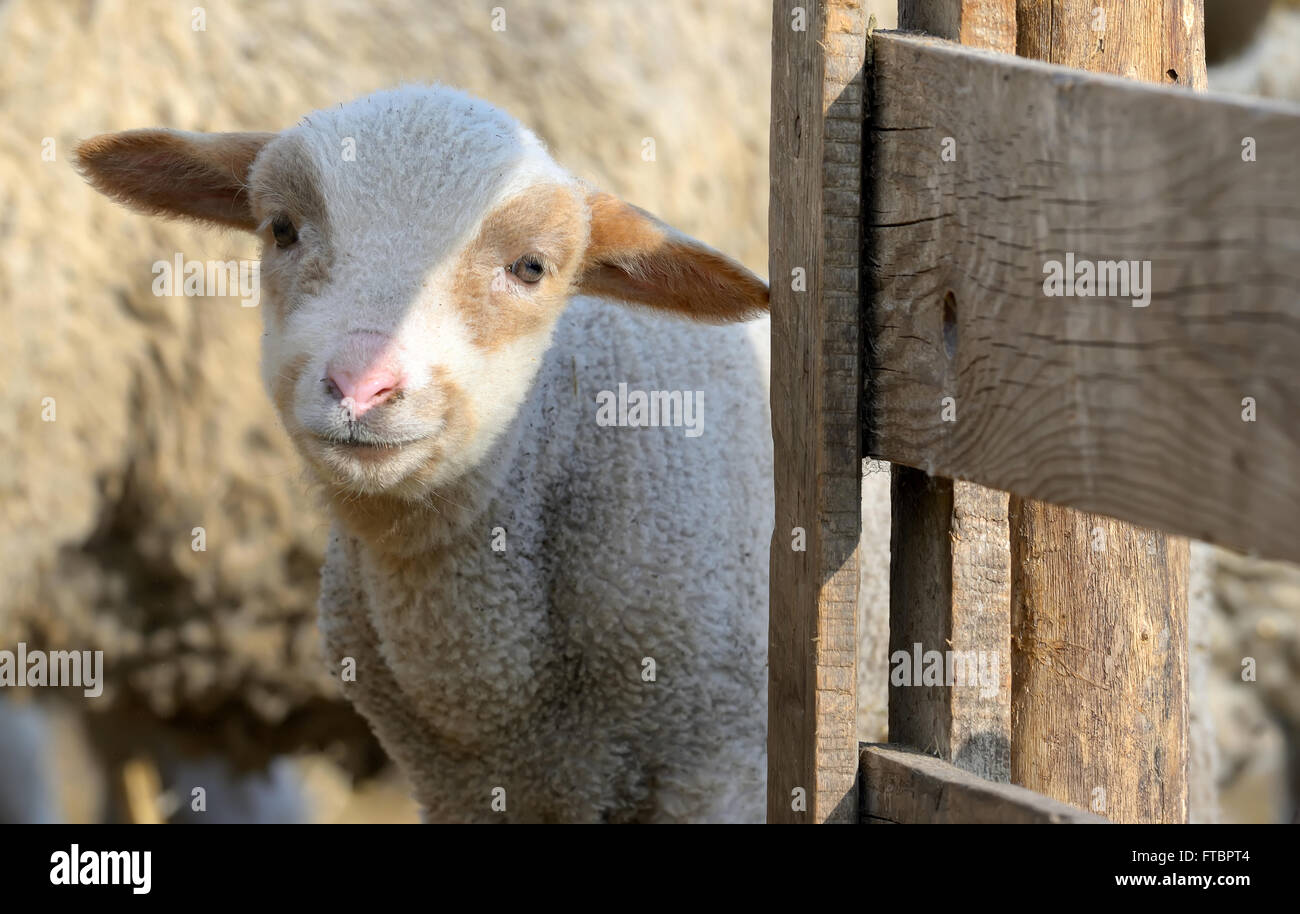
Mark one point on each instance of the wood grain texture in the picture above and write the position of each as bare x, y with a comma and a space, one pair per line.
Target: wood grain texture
1132, 412
1099, 663
949, 587
989, 24
1155, 41
950, 567
815, 226
903, 786
1099, 635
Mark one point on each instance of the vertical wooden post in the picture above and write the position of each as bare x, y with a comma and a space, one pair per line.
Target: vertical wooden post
987, 24
950, 579
818, 50
1099, 607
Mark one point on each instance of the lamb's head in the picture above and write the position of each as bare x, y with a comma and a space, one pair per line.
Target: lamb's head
419, 246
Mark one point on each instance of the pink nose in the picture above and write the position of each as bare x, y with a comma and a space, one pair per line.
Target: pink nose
363, 380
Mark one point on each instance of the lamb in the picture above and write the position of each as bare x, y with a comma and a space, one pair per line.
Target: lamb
542, 617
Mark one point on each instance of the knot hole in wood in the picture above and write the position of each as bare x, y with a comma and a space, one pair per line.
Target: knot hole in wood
950, 325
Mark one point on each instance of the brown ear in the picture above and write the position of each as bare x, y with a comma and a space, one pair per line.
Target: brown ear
633, 257
175, 173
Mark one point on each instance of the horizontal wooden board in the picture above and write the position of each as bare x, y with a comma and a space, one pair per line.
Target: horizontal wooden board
907, 787
1085, 400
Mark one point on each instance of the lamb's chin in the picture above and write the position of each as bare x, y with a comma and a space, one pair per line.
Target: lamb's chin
361, 469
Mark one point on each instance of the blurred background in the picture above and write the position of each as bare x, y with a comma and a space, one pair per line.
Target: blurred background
213, 673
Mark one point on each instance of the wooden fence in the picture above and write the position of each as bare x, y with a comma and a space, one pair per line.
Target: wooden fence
931, 196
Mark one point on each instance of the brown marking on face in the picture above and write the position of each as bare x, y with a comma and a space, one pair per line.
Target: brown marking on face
548, 221
633, 257
174, 173
450, 405
285, 182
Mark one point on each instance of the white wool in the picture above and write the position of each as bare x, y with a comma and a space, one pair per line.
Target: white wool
523, 669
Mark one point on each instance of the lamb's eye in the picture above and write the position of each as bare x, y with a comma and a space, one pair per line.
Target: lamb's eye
529, 268
285, 232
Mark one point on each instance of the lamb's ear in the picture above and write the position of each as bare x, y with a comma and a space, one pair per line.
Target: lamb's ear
161, 172
633, 257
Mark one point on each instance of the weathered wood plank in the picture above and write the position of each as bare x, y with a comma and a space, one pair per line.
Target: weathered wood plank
1099, 663
949, 594
901, 785
1133, 412
1155, 41
815, 228
989, 24
1099, 701
950, 575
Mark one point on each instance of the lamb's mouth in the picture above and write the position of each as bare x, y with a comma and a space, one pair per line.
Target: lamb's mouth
360, 440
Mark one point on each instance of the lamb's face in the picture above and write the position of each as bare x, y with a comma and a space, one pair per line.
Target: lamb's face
419, 247
410, 289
